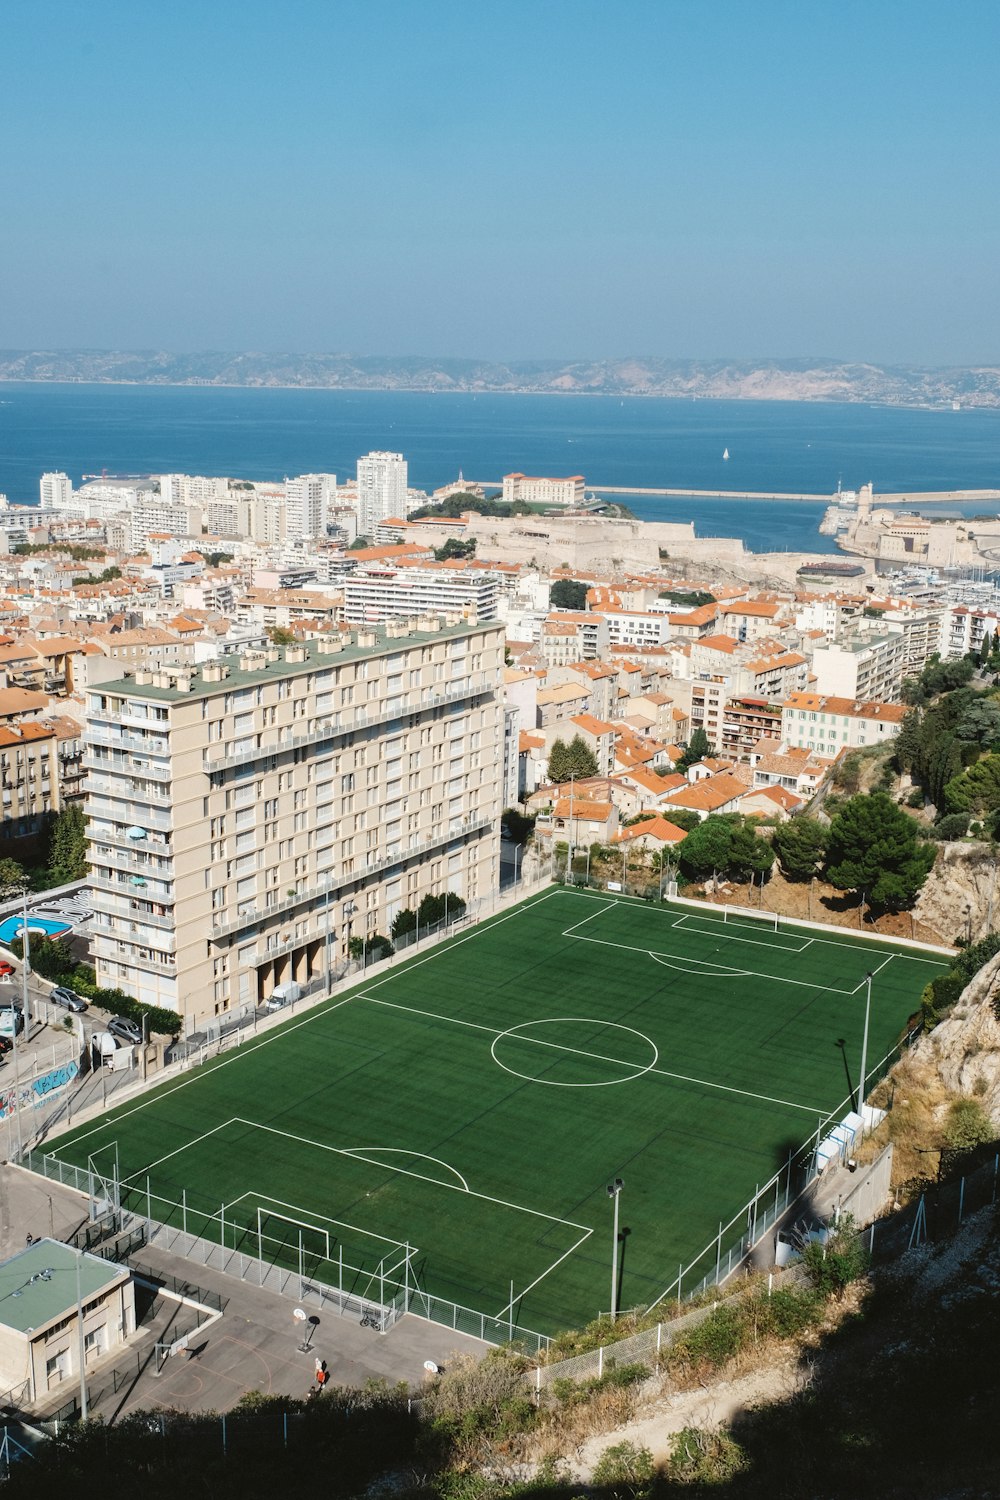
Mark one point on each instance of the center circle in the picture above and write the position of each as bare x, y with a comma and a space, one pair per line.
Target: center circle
623, 1057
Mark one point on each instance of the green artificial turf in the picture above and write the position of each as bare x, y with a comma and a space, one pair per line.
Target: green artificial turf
475, 1103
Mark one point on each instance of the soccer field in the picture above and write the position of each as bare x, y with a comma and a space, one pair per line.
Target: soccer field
474, 1103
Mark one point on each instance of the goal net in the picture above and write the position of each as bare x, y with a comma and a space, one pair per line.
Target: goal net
279, 1233
750, 916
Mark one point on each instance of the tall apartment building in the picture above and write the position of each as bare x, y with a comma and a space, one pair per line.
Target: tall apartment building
191, 489
248, 817
387, 593
865, 666
542, 490
308, 501
55, 491
382, 486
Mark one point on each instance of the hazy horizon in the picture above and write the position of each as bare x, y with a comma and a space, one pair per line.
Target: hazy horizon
557, 182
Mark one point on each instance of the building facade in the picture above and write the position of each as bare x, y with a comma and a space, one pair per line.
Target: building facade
542, 490
246, 819
382, 487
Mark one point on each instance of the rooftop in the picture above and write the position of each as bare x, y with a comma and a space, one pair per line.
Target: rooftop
313, 661
39, 1283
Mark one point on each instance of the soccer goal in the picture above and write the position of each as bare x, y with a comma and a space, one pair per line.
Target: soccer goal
749, 916
282, 1231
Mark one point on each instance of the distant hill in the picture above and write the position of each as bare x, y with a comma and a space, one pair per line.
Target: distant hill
772, 379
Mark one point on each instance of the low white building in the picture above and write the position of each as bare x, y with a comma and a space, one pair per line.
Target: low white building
814, 721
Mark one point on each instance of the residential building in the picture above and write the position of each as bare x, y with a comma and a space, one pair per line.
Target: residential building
963, 629
29, 773
308, 502
813, 721
382, 489
745, 720
247, 817
400, 593
540, 490
55, 491
568, 635
870, 667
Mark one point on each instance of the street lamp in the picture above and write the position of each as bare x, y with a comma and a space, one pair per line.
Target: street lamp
614, 1189
349, 912
864, 1052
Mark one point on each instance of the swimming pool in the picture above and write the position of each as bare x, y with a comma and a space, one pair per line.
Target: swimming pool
10, 928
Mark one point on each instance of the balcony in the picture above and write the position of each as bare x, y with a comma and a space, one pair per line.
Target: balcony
122, 907
105, 945
127, 788
161, 849
225, 925
102, 803
333, 728
145, 745
125, 766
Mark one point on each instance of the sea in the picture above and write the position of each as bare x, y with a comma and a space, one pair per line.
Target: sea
773, 446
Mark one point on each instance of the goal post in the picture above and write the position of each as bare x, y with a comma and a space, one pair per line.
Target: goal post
749, 916
313, 1239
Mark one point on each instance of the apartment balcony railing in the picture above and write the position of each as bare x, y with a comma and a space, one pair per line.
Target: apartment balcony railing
118, 896
118, 805
118, 739
105, 945
127, 787
125, 767
115, 716
348, 722
116, 840
156, 885
224, 925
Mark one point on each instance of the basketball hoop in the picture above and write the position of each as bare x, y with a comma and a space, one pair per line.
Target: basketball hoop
302, 1319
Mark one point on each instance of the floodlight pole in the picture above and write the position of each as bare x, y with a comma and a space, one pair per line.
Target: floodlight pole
864, 1052
614, 1189
25, 964
82, 1352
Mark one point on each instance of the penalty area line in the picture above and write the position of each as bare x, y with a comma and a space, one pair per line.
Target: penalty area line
547, 1272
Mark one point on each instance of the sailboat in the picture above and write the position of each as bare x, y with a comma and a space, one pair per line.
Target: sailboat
725, 452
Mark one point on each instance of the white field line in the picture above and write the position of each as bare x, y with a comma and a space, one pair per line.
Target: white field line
531, 1286
145, 1170
603, 907
596, 1056
262, 1199
675, 961
673, 920
434, 1181
711, 929
198, 1076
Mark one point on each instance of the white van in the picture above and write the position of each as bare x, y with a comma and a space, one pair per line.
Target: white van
11, 1021
282, 995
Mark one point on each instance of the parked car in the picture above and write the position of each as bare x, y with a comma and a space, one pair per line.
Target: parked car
11, 1021
126, 1030
68, 999
5, 1045
6, 969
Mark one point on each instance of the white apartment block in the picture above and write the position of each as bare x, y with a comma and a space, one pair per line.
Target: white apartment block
382, 489
631, 627
542, 490
813, 721
191, 489
387, 594
963, 629
308, 502
869, 667
150, 516
55, 491
246, 819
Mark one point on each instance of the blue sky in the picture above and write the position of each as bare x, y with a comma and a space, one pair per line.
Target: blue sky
561, 178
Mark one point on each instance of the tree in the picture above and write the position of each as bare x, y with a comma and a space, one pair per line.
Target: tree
980, 722
842, 1259
453, 548
986, 649
707, 847
875, 848
403, 922
68, 846
907, 744
280, 635
800, 845
977, 790
434, 909
12, 879
572, 761
568, 593
699, 746
749, 854
359, 543
517, 827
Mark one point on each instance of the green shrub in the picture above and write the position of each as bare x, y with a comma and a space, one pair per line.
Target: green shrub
843, 1259
624, 1469
966, 1127
951, 826
704, 1457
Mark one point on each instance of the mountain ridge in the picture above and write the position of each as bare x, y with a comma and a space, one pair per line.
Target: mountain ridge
800, 379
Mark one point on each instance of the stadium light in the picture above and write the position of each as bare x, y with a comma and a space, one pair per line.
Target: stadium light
864, 1052
614, 1189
